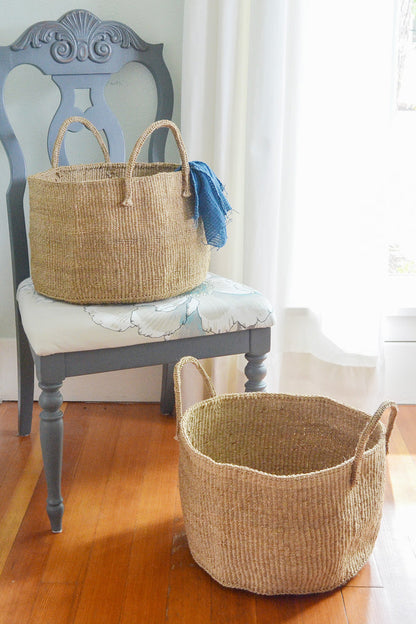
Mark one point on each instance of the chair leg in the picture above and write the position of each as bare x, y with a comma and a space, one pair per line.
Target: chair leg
255, 371
167, 398
25, 380
51, 437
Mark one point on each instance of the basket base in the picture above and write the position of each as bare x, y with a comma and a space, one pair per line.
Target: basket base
278, 591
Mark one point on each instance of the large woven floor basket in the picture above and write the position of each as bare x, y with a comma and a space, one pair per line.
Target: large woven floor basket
115, 232
280, 494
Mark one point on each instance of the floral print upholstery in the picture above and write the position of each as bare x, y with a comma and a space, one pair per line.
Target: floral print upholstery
216, 306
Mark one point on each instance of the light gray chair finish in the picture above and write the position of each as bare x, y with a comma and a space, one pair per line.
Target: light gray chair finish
81, 51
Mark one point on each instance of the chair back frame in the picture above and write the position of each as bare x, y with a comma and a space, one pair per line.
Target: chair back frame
81, 51
78, 51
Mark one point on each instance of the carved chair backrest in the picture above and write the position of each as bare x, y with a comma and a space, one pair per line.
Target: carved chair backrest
79, 51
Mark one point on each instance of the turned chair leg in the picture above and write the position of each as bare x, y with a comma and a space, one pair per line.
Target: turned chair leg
255, 371
25, 380
167, 399
51, 438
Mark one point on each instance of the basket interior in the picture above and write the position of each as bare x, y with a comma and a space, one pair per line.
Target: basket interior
102, 171
277, 434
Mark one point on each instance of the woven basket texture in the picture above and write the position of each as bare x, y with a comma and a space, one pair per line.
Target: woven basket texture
281, 494
91, 245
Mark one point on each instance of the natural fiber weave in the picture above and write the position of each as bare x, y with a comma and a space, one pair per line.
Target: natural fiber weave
280, 494
114, 233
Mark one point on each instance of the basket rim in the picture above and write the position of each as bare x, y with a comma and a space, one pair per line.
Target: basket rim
42, 176
267, 397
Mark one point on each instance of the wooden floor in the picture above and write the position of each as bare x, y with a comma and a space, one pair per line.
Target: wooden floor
123, 557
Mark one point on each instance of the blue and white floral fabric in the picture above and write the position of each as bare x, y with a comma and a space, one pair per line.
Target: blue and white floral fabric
217, 306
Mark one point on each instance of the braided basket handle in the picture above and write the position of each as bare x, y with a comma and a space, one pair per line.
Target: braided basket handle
163, 123
178, 382
366, 433
61, 133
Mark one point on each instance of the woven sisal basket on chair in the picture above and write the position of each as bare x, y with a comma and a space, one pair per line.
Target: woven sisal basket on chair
280, 494
115, 232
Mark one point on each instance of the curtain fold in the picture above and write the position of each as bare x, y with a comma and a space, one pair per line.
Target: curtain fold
289, 102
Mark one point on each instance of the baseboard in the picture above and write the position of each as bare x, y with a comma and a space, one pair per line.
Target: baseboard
400, 371
135, 385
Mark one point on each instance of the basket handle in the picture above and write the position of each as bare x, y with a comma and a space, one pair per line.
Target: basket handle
61, 133
178, 382
163, 123
366, 433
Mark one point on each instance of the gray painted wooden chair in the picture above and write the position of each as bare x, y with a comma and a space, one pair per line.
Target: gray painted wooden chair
79, 51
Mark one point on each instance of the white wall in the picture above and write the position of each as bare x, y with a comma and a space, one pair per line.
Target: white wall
131, 94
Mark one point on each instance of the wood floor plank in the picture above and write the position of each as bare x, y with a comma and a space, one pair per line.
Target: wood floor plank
22, 574
366, 606
71, 549
148, 575
232, 605
18, 503
406, 424
396, 560
108, 565
14, 451
53, 604
321, 608
29, 466
20, 578
193, 604
275, 609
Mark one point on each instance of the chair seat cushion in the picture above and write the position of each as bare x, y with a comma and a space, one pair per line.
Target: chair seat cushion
217, 306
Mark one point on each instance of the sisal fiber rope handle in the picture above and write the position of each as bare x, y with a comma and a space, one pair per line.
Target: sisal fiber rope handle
366, 433
178, 382
163, 123
61, 133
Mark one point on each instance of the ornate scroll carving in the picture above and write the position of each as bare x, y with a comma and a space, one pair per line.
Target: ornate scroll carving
80, 35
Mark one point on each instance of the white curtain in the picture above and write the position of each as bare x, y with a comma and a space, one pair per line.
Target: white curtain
289, 101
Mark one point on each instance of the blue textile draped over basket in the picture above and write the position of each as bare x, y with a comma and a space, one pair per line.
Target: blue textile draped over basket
210, 203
